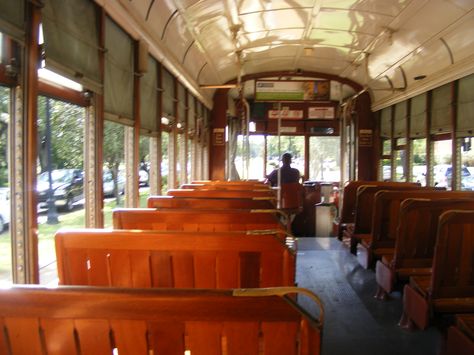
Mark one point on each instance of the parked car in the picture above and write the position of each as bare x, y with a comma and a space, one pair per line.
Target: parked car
4, 208
467, 183
67, 186
443, 174
108, 183
142, 178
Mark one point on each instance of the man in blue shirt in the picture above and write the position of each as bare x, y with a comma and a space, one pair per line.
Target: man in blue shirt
288, 174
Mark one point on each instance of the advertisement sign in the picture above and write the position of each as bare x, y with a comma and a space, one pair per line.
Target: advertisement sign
272, 90
286, 114
322, 113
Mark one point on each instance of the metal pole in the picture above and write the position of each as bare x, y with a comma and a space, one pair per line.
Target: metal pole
247, 138
279, 157
52, 212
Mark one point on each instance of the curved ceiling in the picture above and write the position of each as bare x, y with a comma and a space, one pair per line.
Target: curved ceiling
392, 48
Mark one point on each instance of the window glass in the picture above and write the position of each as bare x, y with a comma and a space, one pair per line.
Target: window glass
400, 163
5, 236
144, 170
291, 144
256, 166
114, 169
164, 161
386, 170
442, 164
324, 159
418, 159
467, 164
60, 182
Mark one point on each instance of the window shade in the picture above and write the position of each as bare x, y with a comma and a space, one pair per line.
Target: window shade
400, 120
12, 18
465, 117
118, 82
418, 116
181, 103
441, 109
386, 122
149, 97
72, 41
168, 93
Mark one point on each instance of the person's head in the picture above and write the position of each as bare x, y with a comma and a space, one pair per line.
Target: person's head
286, 159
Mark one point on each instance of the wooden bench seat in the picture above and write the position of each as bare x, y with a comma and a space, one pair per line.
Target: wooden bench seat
460, 338
195, 220
124, 258
386, 208
415, 241
163, 202
225, 186
94, 320
222, 193
450, 286
362, 228
348, 201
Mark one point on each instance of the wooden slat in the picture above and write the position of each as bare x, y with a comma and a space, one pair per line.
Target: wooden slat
205, 269
167, 338
272, 269
99, 273
249, 269
3, 343
140, 268
279, 338
204, 338
24, 336
183, 270
120, 269
130, 337
75, 269
241, 338
94, 336
227, 269
161, 265
59, 336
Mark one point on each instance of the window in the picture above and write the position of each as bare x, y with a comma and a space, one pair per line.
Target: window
144, 170
418, 159
324, 159
164, 161
60, 182
442, 171
256, 155
291, 144
114, 169
5, 236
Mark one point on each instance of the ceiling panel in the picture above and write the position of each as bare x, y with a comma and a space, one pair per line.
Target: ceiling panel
179, 39
389, 8
329, 36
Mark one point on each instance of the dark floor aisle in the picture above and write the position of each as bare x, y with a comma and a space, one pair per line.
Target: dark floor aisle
356, 323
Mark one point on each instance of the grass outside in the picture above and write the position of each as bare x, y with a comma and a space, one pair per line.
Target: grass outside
46, 249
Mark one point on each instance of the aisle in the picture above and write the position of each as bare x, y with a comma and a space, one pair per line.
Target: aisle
355, 322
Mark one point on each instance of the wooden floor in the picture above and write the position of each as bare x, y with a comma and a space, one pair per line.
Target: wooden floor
356, 323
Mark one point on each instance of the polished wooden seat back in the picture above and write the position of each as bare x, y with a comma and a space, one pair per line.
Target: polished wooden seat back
163, 202
453, 272
195, 220
92, 320
387, 210
349, 196
213, 193
417, 231
292, 196
125, 258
